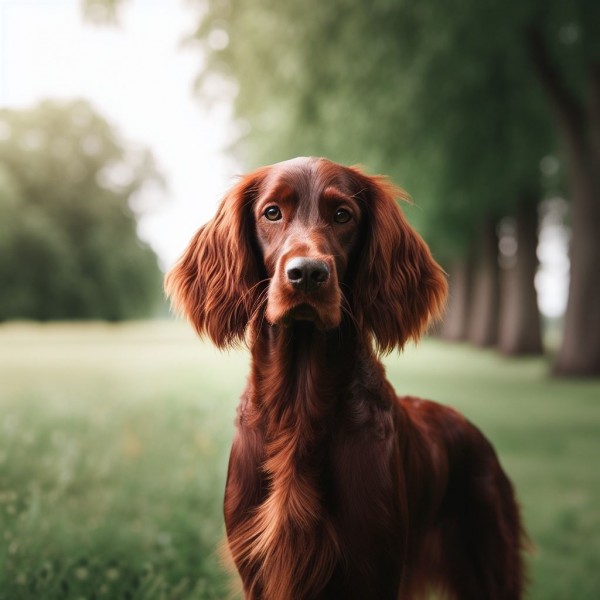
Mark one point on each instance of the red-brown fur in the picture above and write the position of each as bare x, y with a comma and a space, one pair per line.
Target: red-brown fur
337, 488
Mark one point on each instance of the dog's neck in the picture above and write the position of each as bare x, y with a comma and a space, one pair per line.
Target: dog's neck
304, 361
300, 372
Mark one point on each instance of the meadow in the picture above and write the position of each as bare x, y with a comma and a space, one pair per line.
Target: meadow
114, 442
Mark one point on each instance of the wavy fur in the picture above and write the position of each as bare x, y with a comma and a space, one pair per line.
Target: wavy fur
337, 488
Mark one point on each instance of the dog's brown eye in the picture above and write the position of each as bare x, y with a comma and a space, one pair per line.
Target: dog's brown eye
273, 213
342, 215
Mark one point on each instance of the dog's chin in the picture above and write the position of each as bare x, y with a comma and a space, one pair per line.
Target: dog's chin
303, 313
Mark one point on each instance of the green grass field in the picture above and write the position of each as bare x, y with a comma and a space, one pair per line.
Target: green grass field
114, 442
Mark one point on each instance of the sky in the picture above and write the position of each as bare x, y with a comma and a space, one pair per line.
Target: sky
140, 76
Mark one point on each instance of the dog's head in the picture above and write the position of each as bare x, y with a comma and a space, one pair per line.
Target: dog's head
310, 240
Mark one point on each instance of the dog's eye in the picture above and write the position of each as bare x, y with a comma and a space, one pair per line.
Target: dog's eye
342, 215
273, 213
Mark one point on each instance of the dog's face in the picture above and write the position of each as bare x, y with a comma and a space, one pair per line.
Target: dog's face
308, 223
310, 240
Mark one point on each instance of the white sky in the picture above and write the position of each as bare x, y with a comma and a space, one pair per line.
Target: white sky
139, 77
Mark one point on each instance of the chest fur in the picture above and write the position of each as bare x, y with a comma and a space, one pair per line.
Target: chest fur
299, 497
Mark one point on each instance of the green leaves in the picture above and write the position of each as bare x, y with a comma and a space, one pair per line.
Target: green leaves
68, 243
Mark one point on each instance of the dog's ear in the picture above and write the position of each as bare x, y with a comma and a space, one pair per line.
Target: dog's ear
399, 288
215, 283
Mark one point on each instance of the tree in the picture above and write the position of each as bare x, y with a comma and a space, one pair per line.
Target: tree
68, 242
565, 52
519, 331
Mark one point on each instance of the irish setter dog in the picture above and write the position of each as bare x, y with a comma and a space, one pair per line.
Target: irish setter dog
337, 488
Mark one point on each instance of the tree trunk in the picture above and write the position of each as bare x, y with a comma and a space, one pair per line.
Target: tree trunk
519, 332
455, 325
579, 128
579, 352
483, 322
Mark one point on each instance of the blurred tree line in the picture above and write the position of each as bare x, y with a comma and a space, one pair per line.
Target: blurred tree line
68, 242
459, 100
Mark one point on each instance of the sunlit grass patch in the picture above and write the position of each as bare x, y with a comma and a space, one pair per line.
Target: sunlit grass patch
113, 457
547, 434
114, 446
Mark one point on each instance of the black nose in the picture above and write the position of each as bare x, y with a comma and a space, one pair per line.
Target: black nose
306, 274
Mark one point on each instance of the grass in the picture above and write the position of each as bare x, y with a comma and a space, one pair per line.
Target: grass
114, 442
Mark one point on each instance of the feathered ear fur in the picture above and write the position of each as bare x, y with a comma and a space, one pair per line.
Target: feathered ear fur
215, 283
399, 287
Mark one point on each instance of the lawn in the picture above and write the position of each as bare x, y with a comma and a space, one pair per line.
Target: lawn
114, 444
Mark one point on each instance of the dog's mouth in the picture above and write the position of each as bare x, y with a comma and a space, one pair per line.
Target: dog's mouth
301, 312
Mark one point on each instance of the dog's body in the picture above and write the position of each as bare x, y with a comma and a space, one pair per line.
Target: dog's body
338, 489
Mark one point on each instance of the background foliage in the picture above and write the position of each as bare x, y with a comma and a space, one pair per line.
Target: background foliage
68, 242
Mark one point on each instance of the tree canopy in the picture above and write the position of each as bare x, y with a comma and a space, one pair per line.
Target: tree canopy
68, 241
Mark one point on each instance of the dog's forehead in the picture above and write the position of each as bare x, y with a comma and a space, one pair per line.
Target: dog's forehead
308, 177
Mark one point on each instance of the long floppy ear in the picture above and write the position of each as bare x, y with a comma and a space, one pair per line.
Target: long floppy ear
215, 283
399, 288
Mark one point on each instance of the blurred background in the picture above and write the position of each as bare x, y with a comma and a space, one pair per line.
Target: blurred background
123, 122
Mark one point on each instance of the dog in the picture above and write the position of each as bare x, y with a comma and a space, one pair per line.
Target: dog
336, 487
